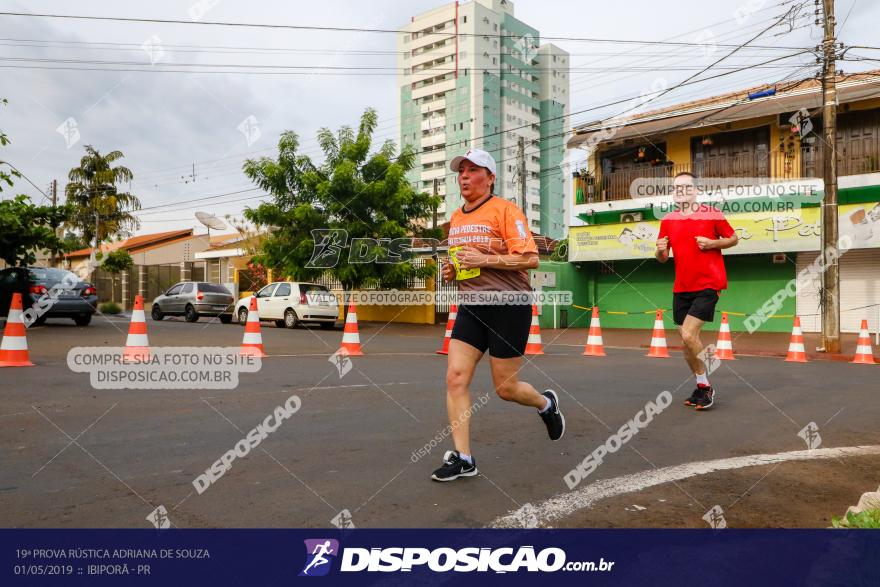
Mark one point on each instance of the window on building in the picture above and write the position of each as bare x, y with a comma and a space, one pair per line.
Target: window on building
464, 19
494, 26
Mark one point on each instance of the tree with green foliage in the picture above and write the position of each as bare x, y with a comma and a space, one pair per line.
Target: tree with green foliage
114, 263
26, 228
363, 196
98, 204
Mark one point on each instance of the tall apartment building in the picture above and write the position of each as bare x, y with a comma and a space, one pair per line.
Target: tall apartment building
472, 75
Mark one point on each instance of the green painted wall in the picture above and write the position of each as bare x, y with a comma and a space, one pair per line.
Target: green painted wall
569, 277
458, 135
410, 129
552, 151
643, 286
491, 121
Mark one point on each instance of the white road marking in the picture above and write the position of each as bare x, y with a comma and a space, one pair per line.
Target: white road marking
565, 504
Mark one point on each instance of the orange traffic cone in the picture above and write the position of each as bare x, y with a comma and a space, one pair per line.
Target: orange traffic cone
453, 313
351, 340
137, 346
13, 349
796, 352
252, 343
864, 353
534, 346
724, 347
658, 347
594, 346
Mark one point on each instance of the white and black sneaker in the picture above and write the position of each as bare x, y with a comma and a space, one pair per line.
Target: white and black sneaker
553, 418
454, 467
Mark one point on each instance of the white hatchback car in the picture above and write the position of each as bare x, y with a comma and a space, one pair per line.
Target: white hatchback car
289, 303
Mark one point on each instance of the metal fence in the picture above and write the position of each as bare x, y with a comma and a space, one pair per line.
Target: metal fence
109, 285
328, 280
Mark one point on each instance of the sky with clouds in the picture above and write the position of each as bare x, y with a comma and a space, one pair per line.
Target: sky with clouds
166, 118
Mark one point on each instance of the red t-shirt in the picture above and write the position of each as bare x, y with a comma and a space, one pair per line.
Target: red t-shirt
696, 270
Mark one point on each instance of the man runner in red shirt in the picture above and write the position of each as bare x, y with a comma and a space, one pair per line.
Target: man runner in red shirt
696, 233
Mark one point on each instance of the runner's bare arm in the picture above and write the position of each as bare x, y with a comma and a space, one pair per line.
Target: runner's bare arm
662, 252
719, 243
469, 257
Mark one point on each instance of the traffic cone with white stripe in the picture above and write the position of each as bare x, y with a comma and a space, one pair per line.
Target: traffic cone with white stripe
534, 345
13, 349
453, 313
796, 352
351, 340
864, 352
252, 343
137, 346
594, 346
724, 346
658, 348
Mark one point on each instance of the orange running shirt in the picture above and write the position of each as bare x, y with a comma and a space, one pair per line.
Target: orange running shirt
495, 227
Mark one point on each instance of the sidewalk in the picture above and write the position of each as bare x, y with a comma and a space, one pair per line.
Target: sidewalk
761, 344
768, 344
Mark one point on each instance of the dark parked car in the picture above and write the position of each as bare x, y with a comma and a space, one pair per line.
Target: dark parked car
35, 284
193, 299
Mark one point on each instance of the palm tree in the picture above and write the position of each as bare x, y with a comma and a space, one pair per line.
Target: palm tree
100, 210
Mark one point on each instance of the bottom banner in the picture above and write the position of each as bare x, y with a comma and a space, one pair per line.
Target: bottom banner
435, 557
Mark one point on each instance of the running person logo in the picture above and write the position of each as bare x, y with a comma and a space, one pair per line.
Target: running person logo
320, 553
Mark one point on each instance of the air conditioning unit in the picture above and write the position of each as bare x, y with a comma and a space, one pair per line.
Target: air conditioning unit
631, 217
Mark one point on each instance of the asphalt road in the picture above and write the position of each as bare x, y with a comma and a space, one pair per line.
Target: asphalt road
74, 456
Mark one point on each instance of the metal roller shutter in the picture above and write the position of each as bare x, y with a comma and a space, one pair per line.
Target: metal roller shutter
859, 291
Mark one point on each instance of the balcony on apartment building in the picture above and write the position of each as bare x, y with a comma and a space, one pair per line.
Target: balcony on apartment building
740, 154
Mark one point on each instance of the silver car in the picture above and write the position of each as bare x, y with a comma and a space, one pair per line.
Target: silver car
192, 300
289, 303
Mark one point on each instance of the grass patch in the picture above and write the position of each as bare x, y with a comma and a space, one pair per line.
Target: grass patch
110, 308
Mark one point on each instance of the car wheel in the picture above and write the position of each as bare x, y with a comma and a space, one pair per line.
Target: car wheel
242, 316
291, 320
327, 325
156, 314
190, 314
226, 318
83, 320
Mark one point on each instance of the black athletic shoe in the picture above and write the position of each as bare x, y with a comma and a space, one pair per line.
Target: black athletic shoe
553, 418
454, 467
695, 397
707, 399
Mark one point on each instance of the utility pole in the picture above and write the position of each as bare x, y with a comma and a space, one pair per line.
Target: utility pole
831, 276
54, 191
521, 170
434, 223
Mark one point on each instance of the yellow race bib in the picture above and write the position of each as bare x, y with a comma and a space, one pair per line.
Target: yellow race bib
461, 274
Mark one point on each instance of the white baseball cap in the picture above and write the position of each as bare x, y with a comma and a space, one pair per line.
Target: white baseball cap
477, 157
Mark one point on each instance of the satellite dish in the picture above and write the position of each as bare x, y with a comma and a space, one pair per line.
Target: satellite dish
210, 221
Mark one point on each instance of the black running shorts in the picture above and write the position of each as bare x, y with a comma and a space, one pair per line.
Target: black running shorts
503, 329
699, 304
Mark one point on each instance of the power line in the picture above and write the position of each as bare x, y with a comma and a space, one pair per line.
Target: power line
235, 50
351, 29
